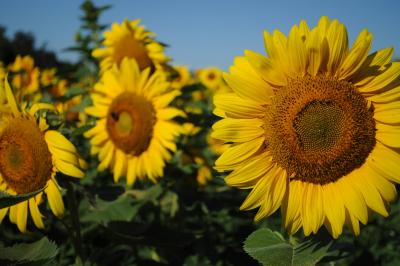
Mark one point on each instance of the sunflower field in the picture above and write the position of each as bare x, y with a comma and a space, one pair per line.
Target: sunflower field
291, 157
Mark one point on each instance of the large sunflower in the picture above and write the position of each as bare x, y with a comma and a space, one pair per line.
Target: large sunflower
30, 157
130, 40
314, 127
134, 133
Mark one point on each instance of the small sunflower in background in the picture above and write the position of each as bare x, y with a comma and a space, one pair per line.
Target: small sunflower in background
314, 127
211, 77
48, 77
134, 133
204, 174
130, 40
30, 157
182, 78
26, 75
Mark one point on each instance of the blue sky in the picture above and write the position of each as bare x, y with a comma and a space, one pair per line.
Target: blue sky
204, 33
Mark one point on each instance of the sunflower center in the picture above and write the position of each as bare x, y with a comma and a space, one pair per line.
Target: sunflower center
211, 76
25, 161
319, 125
319, 129
130, 47
130, 123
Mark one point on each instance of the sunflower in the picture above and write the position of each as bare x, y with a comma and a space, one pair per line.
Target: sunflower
183, 77
315, 128
130, 40
26, 74
134, 133
204, 174
48, 77
30, 157
211, 77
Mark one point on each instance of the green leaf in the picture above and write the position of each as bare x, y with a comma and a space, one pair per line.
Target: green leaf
170, 203
124, 208
74, 91
270, 248
40, 252
7, 200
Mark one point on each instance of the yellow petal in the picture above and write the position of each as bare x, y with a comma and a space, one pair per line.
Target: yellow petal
68, 168
55, 200
297, 52
100, 138
96, 111
64, 155
238, 130
35, 213
315, 51
248, 173
3, 213
57, 140
386, 162
312, 210
388, 112
170, 113
165, 99
352, 223
334, 209
389, 79
353, 199
338, 46
10, 97
22, 215
40, 106
236, 154
119, 165
100, 126
290, 208
257, 194
131, 171
14, 214
388, 135
107, 159
265, 68
361, 179
273, 200
236, 107
373, 65
357, 55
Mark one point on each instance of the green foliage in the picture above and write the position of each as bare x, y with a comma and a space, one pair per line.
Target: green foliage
89, 35
270, 248
41, 252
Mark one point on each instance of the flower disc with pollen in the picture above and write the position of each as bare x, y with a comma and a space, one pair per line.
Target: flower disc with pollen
130, 122
313, 128
319, 129
25, 160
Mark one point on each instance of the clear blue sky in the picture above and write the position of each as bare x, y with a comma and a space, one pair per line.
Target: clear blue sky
207, 32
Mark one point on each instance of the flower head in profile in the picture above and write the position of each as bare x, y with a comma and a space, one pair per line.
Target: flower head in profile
30, 156
314, 127
130, 40
134, 133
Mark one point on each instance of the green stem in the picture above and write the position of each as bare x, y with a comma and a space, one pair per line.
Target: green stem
77, 237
